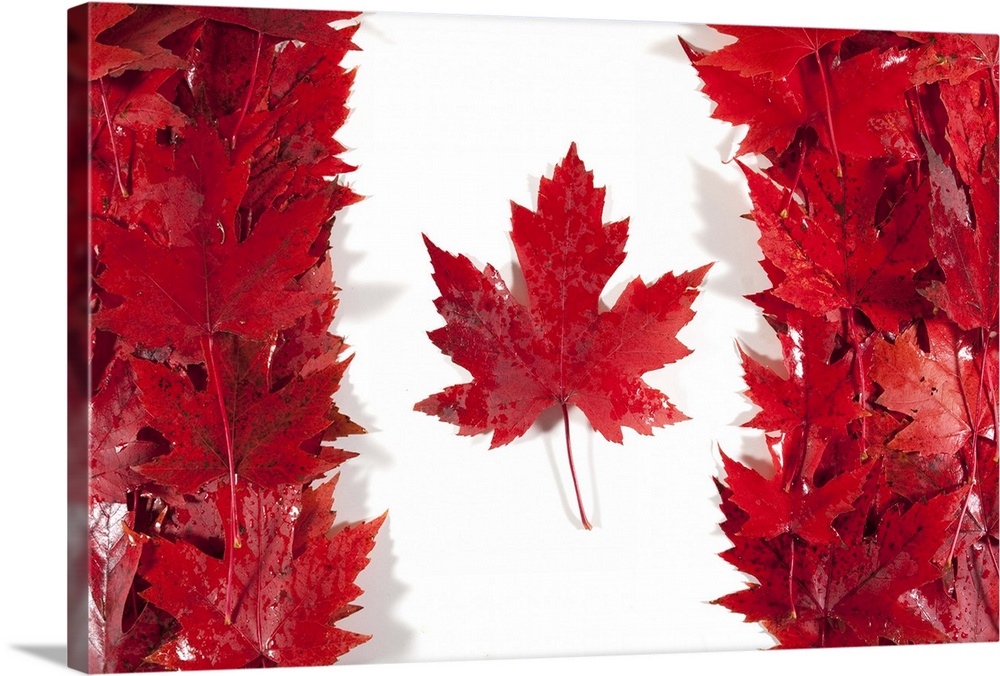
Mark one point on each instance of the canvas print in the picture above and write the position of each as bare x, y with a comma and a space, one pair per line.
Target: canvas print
389, 342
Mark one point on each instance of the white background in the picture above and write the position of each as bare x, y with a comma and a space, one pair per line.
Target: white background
481, 556
454, 117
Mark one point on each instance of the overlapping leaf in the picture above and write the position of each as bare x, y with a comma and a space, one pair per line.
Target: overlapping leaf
267, 428
287, 605
815, 596
212, 357
941, 390
880, 194
841, 251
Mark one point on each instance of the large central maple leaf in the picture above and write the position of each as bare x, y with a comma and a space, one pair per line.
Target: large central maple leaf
560, 349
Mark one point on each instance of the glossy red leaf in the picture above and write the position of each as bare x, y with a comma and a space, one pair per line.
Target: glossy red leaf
841, 250
115, 552
773, 509
844, 595
977, 594
105, 57
267, 428
286, 605
941, 390
954, 56
967, 252
137, 38
175, 295
117, 415
559, 349
852, 105
773, 110
807, 408
774, 51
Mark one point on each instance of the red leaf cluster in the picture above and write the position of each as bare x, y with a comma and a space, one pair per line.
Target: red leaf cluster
559, 349
212, 365
877, 213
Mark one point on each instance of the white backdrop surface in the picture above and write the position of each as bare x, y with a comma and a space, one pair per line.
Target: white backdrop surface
453, 117
474, 508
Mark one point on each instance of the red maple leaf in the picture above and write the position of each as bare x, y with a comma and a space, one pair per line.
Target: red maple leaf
977, 594
133, 39
265, 428
559, 349
806, 417
290, 24
775, 50
841, 251
953, 409
105, 57
942, 390
204, 279
772, 509
824, 596
868, 87
117, 415
954, 57
773, 110
115, 552
967, 250
286, 604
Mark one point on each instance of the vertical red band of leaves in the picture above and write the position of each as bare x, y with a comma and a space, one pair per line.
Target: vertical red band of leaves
211, 154
878, 224
559, 349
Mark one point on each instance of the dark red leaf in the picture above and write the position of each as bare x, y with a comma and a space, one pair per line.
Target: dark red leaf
810, 406
966, 251
137, 38
853, 106
285, 606
841, 251
117, 415
954, 56
106, 57
773, 110
174, 295
268, 428
844, 596
307, 25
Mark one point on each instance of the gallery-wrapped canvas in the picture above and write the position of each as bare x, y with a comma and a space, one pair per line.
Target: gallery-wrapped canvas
716, 369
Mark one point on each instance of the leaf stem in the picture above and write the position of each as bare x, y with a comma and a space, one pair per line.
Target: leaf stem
974, 422
572, 469
791, 580
260, 576
250, 86
232, 537
829, 111
111, 135
795, 181
859, 375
